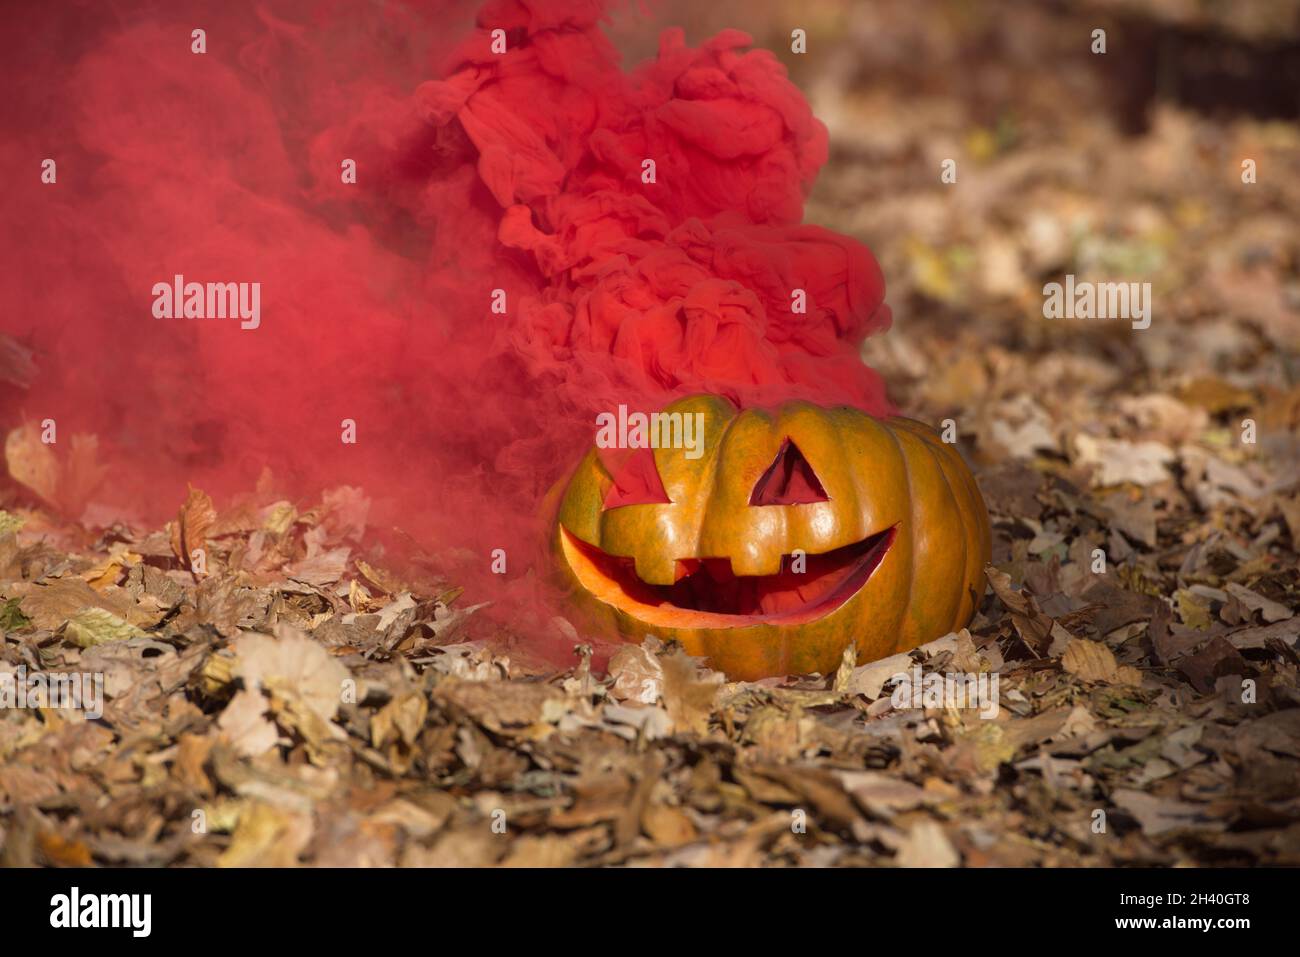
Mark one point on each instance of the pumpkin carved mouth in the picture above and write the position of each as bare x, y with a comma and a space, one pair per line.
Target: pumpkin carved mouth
708, 594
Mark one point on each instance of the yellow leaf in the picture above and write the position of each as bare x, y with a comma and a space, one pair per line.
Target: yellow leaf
109, 571
10, 523
97, 626
279, 517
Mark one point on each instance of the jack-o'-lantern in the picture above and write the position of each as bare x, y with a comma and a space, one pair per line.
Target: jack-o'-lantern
781, 538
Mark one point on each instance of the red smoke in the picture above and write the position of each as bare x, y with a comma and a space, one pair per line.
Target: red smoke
520, 172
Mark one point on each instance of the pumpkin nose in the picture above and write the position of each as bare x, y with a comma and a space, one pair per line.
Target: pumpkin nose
789, 480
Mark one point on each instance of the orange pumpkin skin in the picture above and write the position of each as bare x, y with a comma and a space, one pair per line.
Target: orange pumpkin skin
883, 481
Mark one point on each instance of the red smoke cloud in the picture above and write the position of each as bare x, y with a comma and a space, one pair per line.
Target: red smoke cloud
520, 172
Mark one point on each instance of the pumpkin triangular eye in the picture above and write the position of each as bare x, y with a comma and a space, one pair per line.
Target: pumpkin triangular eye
789, 480
635, 477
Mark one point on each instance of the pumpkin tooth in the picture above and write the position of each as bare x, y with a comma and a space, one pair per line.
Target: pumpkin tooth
656, 570
757, 563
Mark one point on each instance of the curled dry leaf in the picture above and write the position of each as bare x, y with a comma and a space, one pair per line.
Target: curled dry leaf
869, 679
291, 664
637, 674
1034, 627
190, 530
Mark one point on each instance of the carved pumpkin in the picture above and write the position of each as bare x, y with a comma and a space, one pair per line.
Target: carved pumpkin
791, 535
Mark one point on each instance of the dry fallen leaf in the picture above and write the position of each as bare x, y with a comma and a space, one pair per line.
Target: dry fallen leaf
689, 692
1093, 661
637, 674
1268, 609
869, 679
95, 626
291, 664
190, 530
33, 463
267, 836
244, 724
1034, 627
928, 846
1118, 461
